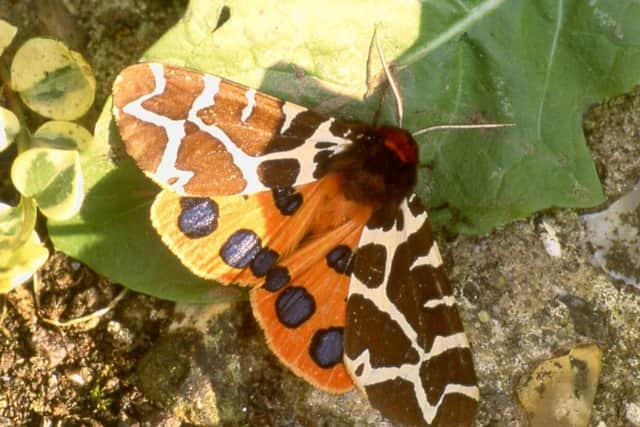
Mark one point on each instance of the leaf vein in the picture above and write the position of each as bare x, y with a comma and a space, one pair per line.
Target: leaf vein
552, 52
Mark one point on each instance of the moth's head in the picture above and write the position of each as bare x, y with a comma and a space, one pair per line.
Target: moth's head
401, 143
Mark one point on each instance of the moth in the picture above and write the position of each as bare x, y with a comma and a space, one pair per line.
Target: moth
318, 215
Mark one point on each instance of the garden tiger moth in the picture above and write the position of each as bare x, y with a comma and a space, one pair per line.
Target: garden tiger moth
319, 216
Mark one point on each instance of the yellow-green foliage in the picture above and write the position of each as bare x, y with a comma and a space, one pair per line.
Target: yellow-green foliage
57, 83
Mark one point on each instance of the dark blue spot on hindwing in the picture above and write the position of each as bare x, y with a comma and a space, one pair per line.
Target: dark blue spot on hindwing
326, 347
199, 216
339, 258
294, 306
263, 262
287, 200
279, 172
277, 277
240, 248
369, 264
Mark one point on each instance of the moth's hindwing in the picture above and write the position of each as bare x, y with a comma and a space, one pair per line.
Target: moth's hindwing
302, 306
201, 135
234, 239
404, 342
296, 245
301, 301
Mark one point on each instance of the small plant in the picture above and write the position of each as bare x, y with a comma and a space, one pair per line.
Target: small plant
57, 83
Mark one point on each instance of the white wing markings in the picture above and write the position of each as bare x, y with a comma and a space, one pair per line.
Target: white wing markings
410, 372
174, 129
290, 111
251, 102
433, 258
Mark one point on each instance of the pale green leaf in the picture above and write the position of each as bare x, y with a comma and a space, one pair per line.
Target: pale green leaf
19, 257
62, 135
18, 265
9, 128
7, 33
16, 223
53, 80
52, 177
318, 59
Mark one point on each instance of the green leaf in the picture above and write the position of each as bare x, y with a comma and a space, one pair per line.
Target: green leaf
7, 33
17, 223
53, 80
52, 177
18, 265
9, 128
19, 257
538, 64
62, 135
535, 63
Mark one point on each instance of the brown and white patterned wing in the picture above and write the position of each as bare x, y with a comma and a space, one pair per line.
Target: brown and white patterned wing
201, 135
404, 342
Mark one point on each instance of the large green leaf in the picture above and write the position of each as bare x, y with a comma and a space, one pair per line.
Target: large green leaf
535, 63
538, 64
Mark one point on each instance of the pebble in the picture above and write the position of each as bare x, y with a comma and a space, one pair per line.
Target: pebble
559, 392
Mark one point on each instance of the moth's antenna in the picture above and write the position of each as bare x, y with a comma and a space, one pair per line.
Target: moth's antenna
398, 98
463, 126
390, 79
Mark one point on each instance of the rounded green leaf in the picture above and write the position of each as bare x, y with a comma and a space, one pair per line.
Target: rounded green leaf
18, 259
52, 177
17, 266
16, 223
53, 80
7, 33
9, 127
62, 135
